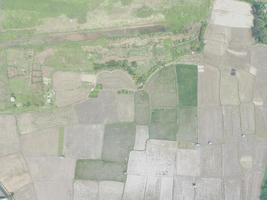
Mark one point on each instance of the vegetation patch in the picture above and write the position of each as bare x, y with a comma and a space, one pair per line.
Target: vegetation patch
28, 13
259, 29
96, 90
70, 58
186, 13
100, 170
144, 12
25, 97
263, 195
187, 78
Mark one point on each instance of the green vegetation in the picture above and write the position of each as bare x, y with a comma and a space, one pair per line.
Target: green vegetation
28, 13
96, 90
15, 35
163, 124
259, 29
144, 12
25, 96
70, 58
61, 138
164, 116
186, 13
100, 170
117, 64
187, 77
263, 195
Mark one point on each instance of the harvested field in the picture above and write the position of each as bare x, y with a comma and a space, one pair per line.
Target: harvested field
9, 140
188, 123
41, 143
209, 94
47, 169
14, 173
35, 121
84, 189
206, 129
84, 141
232, 14
229, 89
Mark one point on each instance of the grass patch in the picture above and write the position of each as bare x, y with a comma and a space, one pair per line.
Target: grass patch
25, 96
70, 58
28, 13
186, 13
187, 78
99, 170
61, 138
15, 35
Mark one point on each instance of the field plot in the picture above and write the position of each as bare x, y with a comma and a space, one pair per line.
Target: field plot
9, 141
162, 88
142, 107
26, 192
187, 79
119, 139
94, 190
69, 88
187, 132
35, 121
163, 124
14, 172
183, 189
211, 161
60, 191
209, 94
41, 143
100, 170
84, 141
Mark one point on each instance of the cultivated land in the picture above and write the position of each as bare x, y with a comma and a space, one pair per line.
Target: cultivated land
115, 100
